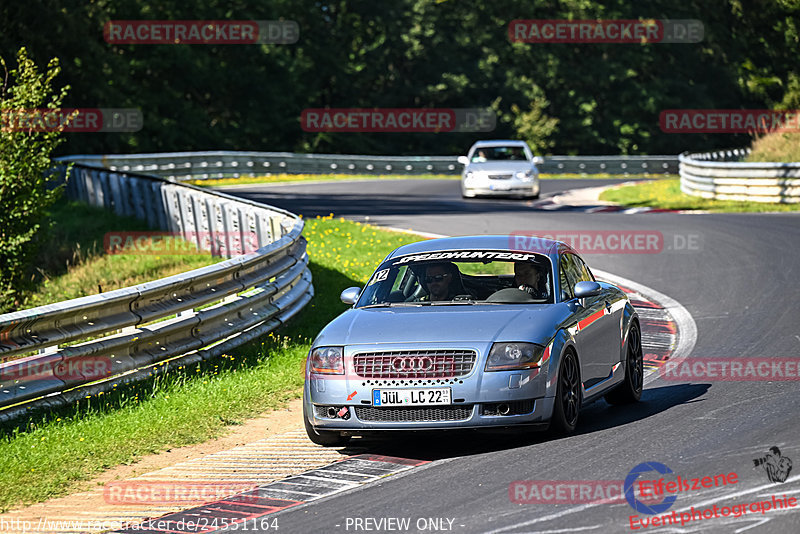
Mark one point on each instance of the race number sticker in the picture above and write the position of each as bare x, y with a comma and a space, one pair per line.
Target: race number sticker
380, 276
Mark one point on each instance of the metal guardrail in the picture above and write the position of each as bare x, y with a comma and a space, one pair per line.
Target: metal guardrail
723, 176
180, 166
191, 316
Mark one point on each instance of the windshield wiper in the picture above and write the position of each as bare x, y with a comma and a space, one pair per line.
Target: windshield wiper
391, 304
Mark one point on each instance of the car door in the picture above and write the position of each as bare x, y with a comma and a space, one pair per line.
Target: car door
585, 324
608, 325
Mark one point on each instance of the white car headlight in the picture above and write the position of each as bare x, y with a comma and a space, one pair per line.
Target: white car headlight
327, 360
524, 175
513, 356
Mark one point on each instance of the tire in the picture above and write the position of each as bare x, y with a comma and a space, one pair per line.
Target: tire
323, 437
568, 396
631, 388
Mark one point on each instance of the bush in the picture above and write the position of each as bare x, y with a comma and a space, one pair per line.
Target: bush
25, 191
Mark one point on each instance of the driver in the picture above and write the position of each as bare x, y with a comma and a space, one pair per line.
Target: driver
442, 280
528, 278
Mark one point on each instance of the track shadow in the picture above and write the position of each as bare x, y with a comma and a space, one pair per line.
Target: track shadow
593, 418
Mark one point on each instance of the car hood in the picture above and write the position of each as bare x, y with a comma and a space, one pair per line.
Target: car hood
500, 166
441, 324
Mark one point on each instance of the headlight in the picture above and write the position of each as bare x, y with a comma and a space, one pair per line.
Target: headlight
524, 175
327, 360
512, 356
468, 176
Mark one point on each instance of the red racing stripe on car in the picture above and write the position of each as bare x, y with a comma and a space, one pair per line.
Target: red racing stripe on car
583, 323
546, 355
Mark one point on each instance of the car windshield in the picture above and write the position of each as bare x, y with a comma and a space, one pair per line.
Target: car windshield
498, 153
461, 277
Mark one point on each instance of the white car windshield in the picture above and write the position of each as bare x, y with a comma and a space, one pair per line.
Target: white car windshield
463, 277
498, 153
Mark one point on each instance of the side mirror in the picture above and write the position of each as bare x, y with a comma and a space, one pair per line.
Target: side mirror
587, 289
350, 295
538, 160
464, 160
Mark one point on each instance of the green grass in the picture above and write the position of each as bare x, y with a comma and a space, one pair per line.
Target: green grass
289, 178
666, 194
54, 452
779, 147
72, 262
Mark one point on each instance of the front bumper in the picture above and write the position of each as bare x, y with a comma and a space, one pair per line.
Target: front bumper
508, 187
476, 400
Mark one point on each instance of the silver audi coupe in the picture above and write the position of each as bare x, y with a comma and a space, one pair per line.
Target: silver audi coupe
472, 332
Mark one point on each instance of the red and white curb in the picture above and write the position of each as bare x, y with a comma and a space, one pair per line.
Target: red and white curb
548, 204
251, 510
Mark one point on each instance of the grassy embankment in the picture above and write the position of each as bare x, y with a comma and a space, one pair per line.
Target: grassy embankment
57, 451
73, 263
777, 147
781, 147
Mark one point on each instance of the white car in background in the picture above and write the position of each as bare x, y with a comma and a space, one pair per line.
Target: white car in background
500, 168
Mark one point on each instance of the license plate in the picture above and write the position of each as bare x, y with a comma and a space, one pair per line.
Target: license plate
499, 187
410, 397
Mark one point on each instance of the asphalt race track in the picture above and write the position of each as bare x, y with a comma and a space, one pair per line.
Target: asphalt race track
738, 279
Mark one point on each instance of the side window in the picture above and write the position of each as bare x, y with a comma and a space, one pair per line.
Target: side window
566, 276
400, 279
571, 271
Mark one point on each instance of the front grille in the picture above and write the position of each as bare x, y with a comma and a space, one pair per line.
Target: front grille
403, 414
414, 363
500, 176
321, 411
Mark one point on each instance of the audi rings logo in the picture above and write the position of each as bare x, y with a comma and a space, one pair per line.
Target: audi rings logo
413, 363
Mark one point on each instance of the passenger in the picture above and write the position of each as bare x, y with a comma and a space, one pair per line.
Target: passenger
528, 277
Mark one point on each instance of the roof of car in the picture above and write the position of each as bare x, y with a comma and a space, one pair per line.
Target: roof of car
518, 243
501, 142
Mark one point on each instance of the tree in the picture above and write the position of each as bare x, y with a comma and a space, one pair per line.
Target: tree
25, 150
